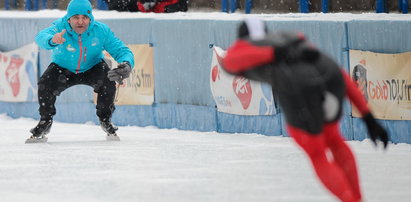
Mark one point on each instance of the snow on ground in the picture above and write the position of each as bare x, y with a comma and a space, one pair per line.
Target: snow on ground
98, 14
151, 164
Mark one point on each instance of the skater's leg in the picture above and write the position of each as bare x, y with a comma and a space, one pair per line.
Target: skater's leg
105, 89
330, 174
51, 84
343, 156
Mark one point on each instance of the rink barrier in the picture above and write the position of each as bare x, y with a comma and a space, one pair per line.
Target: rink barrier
182, 59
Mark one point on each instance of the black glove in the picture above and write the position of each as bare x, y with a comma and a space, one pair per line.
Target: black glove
122, 71
375, 130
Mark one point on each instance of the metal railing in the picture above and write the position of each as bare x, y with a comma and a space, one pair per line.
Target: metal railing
381, 6
230, 6
34, 5
403, 6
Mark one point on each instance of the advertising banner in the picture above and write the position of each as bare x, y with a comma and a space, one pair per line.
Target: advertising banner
138, 89
385, 81
236, 94
18, 74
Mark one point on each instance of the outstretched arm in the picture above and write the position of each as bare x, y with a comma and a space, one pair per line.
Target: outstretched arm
44, 38
375, 130
282, 47
355, 95
243, 56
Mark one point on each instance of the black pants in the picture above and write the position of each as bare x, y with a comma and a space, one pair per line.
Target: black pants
57, 79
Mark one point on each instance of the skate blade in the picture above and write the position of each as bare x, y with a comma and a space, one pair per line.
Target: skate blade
36, 140
112, 137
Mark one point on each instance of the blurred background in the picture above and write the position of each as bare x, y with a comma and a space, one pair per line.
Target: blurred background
258, 6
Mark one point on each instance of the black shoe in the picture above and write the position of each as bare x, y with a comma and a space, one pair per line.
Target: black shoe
42, 128
108, 127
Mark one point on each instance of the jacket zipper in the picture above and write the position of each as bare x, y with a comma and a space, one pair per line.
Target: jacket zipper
85, 53
81, 54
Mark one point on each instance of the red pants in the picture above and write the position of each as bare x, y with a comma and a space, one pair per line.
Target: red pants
332, 160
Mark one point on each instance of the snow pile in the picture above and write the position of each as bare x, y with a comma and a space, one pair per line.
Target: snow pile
212, 15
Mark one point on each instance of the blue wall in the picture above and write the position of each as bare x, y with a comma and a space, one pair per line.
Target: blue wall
182, 58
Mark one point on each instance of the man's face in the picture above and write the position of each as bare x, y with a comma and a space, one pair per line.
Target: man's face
79, 23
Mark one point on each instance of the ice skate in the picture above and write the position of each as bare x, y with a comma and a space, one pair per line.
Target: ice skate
40, 131
110, 129
112, 137
34, 139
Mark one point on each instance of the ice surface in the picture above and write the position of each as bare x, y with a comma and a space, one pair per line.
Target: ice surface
151, 164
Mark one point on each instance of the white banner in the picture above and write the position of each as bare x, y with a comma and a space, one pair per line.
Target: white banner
236, 94
384, 80
18, 74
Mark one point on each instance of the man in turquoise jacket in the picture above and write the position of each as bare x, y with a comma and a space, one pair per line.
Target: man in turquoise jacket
77, 42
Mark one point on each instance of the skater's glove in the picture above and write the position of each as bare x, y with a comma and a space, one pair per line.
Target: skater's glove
122, 71
376, 131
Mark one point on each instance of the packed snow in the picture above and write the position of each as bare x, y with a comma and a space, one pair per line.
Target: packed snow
151, 164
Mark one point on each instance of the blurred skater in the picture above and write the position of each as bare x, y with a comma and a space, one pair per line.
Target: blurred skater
310, 88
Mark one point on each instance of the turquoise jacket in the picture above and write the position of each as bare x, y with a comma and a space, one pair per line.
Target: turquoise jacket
80, 53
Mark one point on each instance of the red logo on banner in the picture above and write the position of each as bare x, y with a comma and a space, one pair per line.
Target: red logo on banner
4, 58
215, 73
219, 58
12, 74
242, 88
